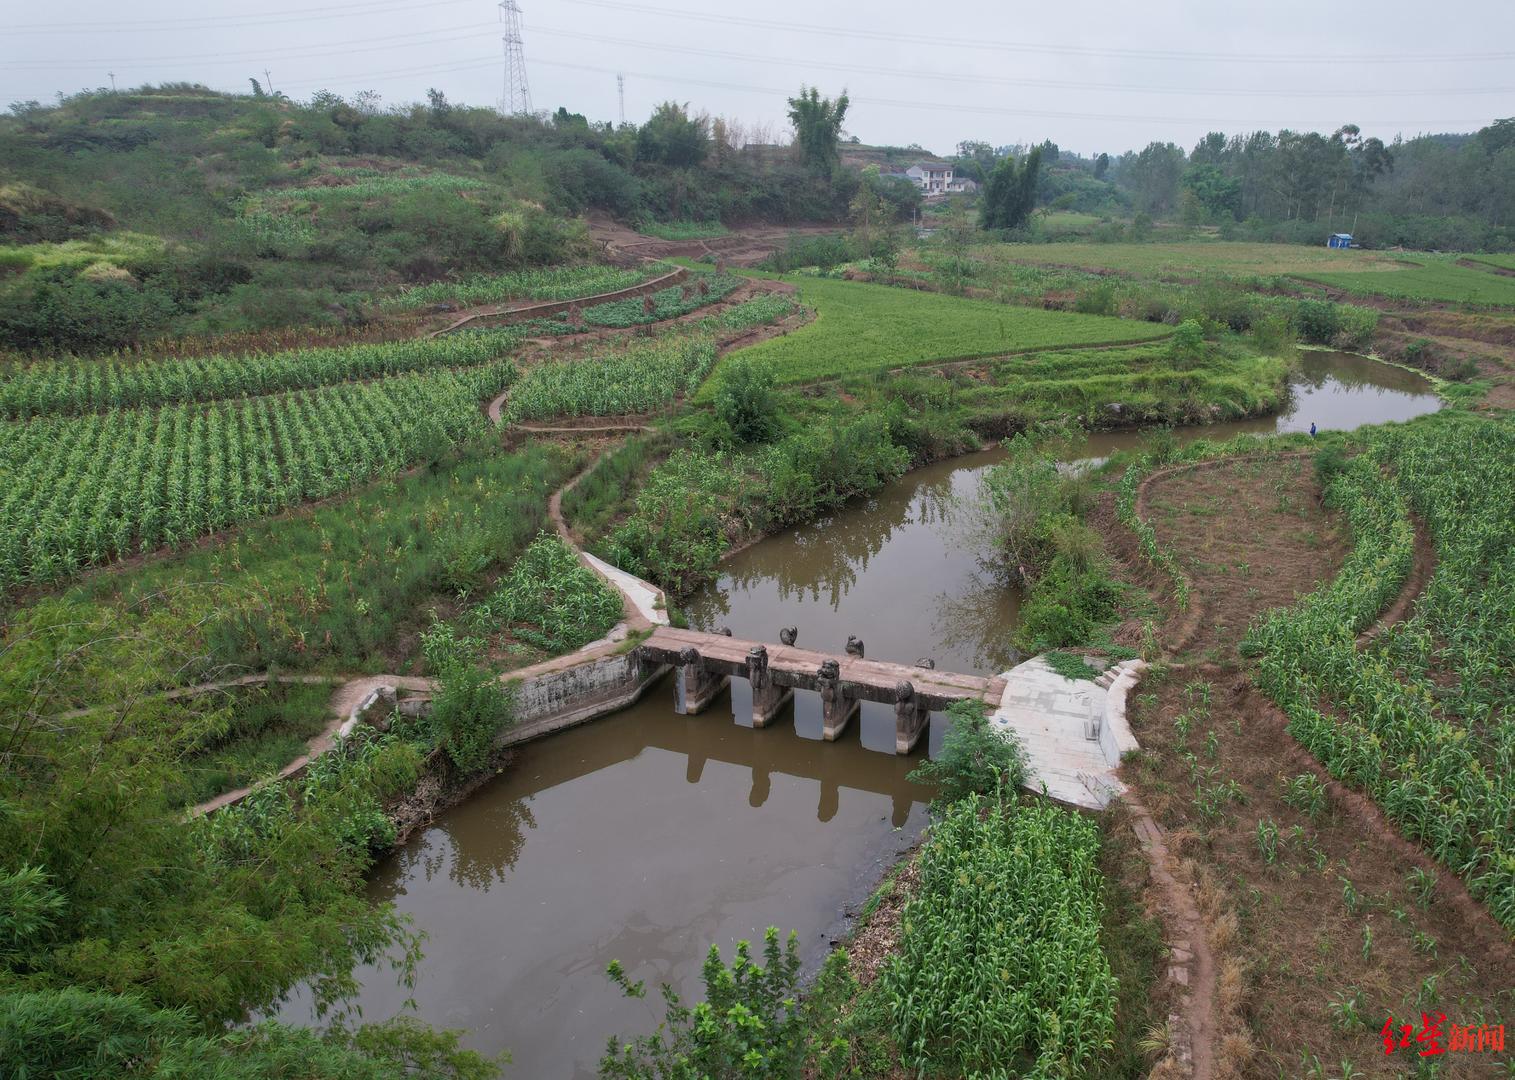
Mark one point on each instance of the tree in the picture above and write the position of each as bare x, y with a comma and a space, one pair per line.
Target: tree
1010, 195
817, 127
1154, 175
1101, 166
672, 137
1209, 195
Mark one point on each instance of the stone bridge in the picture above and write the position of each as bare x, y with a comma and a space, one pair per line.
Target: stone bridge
707, 662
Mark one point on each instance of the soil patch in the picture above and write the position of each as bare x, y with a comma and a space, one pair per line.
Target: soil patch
1251, 534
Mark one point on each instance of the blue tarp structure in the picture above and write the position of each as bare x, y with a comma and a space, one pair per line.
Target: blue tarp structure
1340, 240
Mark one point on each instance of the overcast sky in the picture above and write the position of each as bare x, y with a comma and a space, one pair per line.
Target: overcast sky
1089, 75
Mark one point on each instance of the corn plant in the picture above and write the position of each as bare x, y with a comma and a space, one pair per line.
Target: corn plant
625, 380
1267, 839
83, 490
999, 963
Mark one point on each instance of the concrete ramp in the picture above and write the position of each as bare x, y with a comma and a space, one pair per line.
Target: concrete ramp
1073, 731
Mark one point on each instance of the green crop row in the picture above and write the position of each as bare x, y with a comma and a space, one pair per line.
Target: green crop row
1424, 717
759, 311
550, 599
861, 328
1503, 262
555, 283
999, 969
79, 491
635, 379
79, 386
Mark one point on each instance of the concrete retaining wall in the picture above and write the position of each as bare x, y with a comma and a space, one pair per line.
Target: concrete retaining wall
555, 700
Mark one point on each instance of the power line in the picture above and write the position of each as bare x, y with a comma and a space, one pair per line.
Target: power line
1051, 84
218, 22
856, 32
459, 33
957, 106
446, 35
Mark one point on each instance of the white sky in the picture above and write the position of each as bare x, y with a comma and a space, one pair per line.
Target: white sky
1090, 75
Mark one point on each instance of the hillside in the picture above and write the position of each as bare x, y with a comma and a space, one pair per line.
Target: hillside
126, 218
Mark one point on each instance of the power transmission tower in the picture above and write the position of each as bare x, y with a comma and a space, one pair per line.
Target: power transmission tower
517, 99
112, 75
620, 86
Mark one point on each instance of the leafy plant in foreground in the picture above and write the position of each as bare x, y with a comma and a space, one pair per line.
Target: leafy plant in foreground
752, 1022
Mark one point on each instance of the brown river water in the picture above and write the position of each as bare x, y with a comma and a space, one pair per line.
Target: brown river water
646, 836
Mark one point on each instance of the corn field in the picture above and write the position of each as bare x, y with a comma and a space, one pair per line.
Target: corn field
550, 599
83, 490
71, 387
636, 379
557, 283
1423, 718
999, 969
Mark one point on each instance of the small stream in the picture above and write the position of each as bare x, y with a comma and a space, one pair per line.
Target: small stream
647, 836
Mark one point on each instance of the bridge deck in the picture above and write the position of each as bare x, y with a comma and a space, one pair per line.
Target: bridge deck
872, 680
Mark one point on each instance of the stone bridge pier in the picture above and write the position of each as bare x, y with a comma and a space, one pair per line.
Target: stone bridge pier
706, 664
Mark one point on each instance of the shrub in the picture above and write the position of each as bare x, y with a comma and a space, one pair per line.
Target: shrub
469, 706
752, 1023
1187, 347
974, 759
744, 400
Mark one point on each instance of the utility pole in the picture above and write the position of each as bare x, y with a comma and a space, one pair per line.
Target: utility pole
268, 82
620, 86
112, 75
517, 99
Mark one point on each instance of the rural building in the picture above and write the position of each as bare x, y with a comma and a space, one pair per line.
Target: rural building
1340, 240
931, 178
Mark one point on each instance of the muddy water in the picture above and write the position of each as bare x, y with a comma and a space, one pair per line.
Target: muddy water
645, 837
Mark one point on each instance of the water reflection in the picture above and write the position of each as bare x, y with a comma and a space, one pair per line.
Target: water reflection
897, 570
644, 837
904, 570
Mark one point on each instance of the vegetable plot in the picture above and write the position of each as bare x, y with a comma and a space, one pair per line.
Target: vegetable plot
84, 490
550, 599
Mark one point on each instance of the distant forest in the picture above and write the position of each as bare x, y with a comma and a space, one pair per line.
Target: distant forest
1432, 192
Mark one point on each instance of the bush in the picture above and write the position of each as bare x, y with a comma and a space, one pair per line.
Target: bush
1187, 347
744, 400
974, 759
469, 706
752, 1023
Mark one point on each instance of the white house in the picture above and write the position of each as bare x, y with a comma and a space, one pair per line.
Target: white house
930, 178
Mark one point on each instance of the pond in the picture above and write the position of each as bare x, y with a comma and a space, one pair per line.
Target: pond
646, 836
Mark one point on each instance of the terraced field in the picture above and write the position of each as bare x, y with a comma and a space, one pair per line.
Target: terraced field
1192, 258
1432, 281
861, 328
